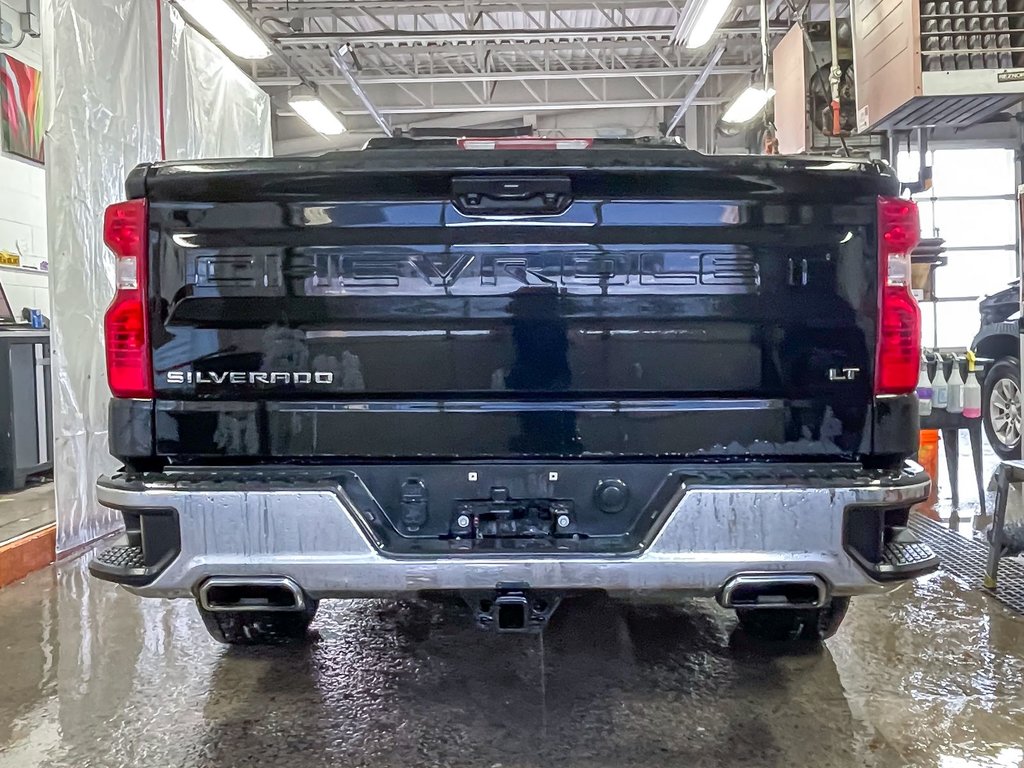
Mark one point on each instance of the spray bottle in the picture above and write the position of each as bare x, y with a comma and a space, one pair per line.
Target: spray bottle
972, 391
956, 388
940, 390
924, 389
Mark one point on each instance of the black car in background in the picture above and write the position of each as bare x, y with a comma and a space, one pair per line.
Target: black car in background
999, 340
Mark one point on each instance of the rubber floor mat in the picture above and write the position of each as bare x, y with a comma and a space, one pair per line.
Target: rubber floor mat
965, 559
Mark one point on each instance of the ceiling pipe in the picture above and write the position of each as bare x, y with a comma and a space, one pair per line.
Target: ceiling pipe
338, 57
691, 95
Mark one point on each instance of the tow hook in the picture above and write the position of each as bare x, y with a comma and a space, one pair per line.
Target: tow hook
512, 608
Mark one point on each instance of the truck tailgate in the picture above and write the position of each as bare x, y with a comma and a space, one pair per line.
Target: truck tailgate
575, 308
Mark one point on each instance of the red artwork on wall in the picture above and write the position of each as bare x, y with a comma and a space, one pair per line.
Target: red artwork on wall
21, 109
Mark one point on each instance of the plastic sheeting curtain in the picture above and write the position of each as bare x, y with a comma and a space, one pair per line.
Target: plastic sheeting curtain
101, 76
212, 108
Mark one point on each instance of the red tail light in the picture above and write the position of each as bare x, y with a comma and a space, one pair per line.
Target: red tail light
126, 325
899, 317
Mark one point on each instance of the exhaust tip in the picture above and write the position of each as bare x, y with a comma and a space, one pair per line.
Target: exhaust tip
223, 593
774, 590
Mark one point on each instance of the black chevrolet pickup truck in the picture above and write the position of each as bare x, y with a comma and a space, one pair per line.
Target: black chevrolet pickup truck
513, 371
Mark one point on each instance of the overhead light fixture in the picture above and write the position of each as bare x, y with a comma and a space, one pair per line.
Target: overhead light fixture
318, 115
748, 104
698, 22
224, 22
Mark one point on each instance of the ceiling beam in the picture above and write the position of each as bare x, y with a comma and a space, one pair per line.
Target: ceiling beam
482, 77
401, 37
410, 37
531, 107
323, 8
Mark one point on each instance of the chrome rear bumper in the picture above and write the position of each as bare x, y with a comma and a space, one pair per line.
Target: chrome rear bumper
314, 538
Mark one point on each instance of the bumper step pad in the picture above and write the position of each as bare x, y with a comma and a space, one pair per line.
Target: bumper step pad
905, 553
902, 556
123, 556
123, 564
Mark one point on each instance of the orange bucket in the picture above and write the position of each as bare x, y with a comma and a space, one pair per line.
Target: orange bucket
928, 457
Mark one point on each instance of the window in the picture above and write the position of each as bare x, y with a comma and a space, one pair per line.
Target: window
970, 223
975, 273
971, 206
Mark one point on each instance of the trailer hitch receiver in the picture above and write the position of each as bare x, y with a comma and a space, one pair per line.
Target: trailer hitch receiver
513, 608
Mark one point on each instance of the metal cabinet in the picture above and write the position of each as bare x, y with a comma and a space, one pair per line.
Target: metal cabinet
26, 415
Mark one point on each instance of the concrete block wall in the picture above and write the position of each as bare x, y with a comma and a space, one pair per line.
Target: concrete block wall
26, 288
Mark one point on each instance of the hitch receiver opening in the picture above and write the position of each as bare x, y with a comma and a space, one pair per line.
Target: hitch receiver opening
512, 608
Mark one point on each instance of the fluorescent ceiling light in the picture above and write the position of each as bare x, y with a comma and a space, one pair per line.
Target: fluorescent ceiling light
319, 116
222, 21
747, 105
698, 24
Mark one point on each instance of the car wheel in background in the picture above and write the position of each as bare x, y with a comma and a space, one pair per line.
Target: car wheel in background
1001, 407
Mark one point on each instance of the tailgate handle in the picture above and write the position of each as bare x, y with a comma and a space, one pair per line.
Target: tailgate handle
506, 195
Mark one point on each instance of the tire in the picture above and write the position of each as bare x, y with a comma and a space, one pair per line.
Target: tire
1000, 410
781, 624
259, 627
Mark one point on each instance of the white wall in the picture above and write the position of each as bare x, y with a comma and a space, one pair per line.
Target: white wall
613, 123
26, 288
23, 212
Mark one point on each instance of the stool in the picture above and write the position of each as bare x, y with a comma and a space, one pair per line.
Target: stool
1008, 473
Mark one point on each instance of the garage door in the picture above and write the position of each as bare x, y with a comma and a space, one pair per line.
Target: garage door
971, 206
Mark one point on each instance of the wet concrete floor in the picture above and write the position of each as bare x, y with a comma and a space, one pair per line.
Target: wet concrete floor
27, 510
931, 675
91, 676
